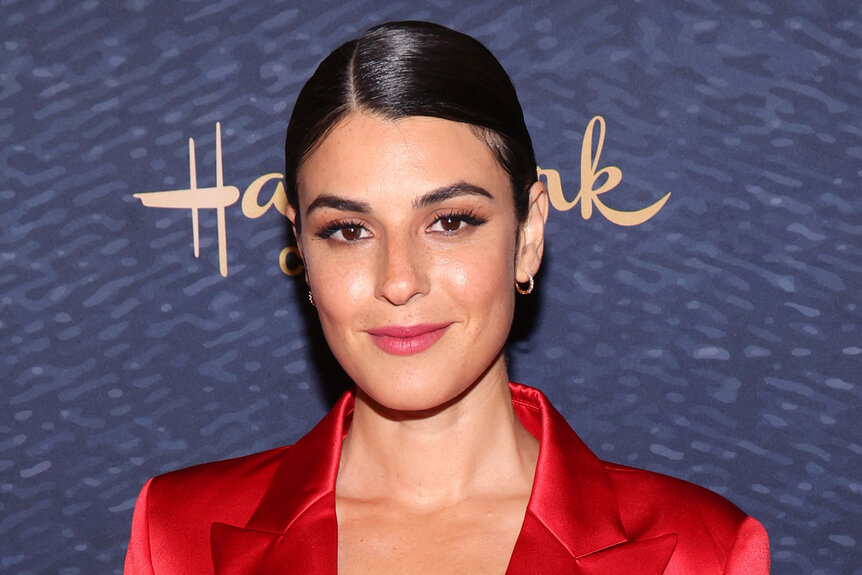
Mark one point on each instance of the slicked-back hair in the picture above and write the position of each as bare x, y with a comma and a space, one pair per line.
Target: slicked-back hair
403, 69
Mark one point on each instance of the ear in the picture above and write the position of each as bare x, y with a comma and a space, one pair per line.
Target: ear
291, 214
532, 234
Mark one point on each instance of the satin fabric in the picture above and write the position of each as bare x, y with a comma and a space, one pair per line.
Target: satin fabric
274, 512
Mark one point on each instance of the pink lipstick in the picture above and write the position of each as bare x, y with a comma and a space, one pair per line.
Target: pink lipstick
407, 340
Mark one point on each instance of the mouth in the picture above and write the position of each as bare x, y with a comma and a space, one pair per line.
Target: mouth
407, 340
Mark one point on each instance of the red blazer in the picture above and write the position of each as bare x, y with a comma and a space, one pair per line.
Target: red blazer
274, 512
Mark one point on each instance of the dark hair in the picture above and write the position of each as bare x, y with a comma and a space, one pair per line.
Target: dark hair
402, 69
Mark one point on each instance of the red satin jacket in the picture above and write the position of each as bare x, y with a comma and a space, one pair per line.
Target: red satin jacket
274, 512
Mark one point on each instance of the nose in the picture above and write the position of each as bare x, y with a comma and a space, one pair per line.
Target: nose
401, 274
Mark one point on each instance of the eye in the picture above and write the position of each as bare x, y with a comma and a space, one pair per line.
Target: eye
350, 233
450, 223
455, 222
347, 232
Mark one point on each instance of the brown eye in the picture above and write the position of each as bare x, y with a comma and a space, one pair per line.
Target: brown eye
351, 233
459, 222
450, 223
346, 233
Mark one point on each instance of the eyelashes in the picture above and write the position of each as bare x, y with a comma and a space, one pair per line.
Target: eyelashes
346, 231
450, 223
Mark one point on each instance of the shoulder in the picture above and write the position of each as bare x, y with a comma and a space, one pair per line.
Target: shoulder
711, 531
647, 498
175, 511
190, 500
223, 490
226, 470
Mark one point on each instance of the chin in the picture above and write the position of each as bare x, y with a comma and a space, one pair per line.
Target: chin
410, 396
423, 392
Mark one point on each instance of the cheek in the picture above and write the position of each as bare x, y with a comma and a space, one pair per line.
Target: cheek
358, 286
341, 299
481, 276
460, 278
339, 286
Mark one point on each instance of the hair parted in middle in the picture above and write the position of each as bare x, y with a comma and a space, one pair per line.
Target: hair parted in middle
403, 69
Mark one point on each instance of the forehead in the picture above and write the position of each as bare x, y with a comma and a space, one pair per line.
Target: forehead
367, 155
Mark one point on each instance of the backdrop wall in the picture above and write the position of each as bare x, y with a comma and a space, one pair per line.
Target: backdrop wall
714, 336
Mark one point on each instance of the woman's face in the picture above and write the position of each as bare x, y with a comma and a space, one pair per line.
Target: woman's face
409, 238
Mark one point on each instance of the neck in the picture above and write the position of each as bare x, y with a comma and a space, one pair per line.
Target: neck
473, 445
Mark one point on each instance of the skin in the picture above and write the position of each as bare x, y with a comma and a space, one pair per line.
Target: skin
436, 469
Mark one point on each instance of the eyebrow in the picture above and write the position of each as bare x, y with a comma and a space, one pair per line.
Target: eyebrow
448, 192
338, 203
433, 197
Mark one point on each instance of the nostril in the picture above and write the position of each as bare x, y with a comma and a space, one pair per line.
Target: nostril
402, 276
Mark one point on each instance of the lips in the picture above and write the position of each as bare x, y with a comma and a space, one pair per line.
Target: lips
407, 340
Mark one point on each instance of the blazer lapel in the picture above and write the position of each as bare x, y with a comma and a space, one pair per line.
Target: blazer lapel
646, 557
294, 528
539, 552
573, 522
237, 550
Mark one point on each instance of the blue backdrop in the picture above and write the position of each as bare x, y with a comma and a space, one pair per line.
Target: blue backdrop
719, 339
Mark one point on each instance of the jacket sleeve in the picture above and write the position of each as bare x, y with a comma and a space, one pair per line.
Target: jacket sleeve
749, 554
138, 556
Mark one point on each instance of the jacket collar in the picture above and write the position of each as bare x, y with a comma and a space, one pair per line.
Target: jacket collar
294, 528
572, 523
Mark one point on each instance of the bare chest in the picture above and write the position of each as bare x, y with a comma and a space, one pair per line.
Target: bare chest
472, 537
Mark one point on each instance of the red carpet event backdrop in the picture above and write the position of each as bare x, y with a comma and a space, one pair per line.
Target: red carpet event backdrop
698, 312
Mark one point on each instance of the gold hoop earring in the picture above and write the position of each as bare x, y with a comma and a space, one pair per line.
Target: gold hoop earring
528, 289
311, 299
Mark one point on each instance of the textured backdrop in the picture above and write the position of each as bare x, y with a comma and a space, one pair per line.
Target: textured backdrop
720, 341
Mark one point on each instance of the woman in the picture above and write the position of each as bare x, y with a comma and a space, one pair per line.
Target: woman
414, 199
